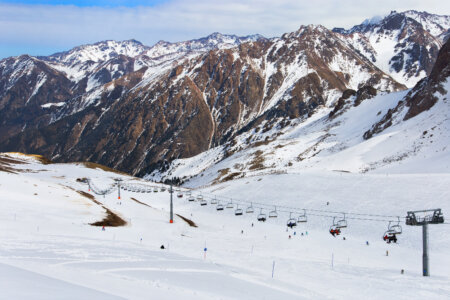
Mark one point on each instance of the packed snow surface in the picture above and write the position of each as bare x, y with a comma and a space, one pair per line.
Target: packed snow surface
48, 250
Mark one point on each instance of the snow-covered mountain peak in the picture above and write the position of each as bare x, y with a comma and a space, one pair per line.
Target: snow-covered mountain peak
434, 24
403, 45
100, 51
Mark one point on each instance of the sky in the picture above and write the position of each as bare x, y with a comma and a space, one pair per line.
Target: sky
43, 27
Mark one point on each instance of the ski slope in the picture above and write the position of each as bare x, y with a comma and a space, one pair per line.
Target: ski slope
48, 250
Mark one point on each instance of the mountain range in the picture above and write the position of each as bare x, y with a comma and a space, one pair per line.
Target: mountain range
186, 108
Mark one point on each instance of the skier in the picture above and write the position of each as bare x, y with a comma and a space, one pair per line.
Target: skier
103, 228
162, 247
390, 237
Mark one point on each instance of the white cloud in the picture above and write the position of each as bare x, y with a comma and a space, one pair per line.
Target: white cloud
66, 26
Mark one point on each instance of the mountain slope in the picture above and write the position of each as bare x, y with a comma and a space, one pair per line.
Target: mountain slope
404, 45
400, 132
205, 100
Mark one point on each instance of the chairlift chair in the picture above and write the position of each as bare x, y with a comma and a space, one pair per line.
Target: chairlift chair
143, 190
261, 217
191, 198
273, 213
342, 223
199, 198
390, 236
250, 209
291, 222
203, 202
163, 189
334, 228
155, 190
238, 211
219, 207
214, 200
396, 229
180, 194
302, 218
230, 204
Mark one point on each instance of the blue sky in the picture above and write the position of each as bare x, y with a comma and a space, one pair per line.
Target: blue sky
85, 3
43, 27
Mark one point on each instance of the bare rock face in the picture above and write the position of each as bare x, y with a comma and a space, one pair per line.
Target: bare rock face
417, 37
139, 112
30, 91
422, 97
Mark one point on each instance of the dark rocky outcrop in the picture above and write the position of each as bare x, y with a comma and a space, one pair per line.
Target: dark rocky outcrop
422, 97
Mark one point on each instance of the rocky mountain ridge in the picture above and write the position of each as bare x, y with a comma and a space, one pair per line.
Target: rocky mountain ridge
137, 108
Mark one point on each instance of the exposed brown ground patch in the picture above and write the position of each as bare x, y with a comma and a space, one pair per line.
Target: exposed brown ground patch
92, 165
136, 200
257, 162
190, 222
111, 219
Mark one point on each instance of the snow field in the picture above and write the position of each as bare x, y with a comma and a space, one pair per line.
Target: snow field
66, 254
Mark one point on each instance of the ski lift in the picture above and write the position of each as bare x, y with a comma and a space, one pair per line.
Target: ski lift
342, 223
199, 198
238, 211
155, 190
188, 194
203, 202
250, 209
214, 201
273, 213
334, 228
230, 204
180, 194
163, 189
219, 207
261, 217
390, 236
291, 222
396, 229
302, 218
191, 198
